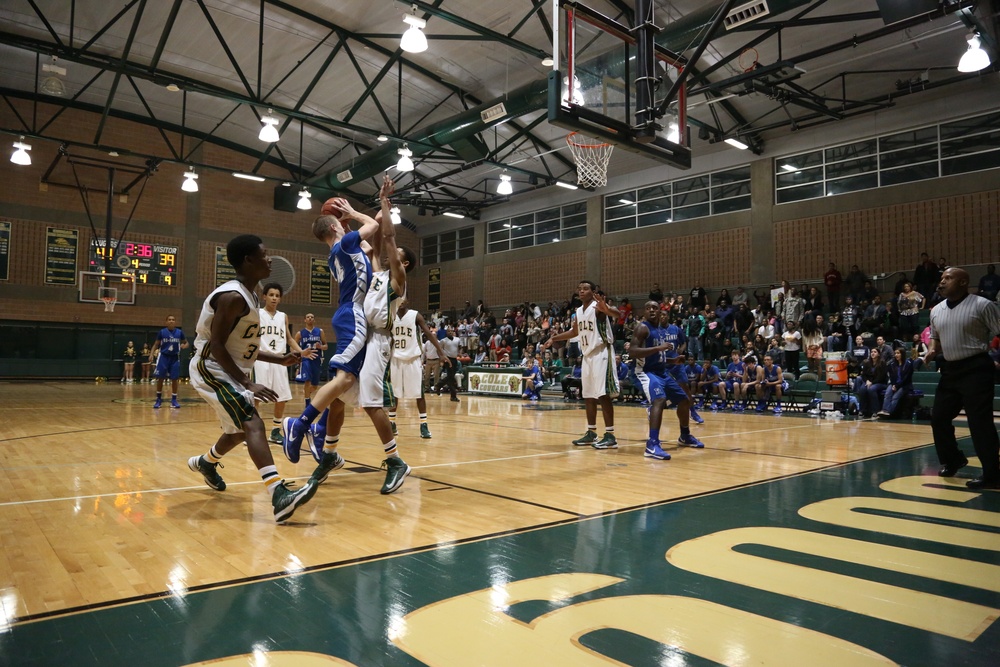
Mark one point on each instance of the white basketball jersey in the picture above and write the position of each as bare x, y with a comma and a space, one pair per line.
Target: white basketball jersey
381, 301
406, 337
244, 340
273, 331
594, 333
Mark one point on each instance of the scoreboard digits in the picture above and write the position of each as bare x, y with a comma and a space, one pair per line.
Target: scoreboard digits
151, 264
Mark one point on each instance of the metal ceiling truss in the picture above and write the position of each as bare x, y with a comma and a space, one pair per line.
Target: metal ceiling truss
777, 81
344, 130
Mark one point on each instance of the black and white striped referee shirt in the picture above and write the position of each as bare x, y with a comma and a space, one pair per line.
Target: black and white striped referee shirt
965, 330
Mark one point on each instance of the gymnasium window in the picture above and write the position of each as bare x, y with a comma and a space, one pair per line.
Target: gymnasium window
958, 147
549, 225
448, 246
683, 199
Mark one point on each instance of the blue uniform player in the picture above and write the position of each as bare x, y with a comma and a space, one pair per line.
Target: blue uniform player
311, 337
773, 384
649, 348
676, 337
169, 342
353, 271
709, 382
734, 390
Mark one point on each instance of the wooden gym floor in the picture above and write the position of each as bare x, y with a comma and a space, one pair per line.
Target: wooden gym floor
788, 540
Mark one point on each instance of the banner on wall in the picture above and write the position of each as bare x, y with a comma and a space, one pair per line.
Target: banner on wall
433, 288
60, 256
4, 250
224, 271
319, 281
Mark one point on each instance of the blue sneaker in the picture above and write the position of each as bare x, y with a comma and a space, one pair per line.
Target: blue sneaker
293, 431
690, 441
158, 404
653, 451
317, 438
777, 409
174, 403
696, 417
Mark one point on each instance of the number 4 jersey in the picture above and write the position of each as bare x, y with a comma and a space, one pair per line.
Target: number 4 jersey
273, 331
244, 340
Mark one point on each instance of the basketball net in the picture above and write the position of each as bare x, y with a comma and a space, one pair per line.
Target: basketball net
109, 303
591, 158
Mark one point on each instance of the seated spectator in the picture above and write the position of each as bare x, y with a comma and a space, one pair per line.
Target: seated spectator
814, 301
772, 384
918, 352
709, 382
724, 298
900, 373
656, 294
856, 357
868, 293
533, 381
551, 366
753, 377
775, 352
743, 320
836, 334
890, 327
874, 316
731, 390
740, 297
572, 384
989, 285
909, 304
871, 384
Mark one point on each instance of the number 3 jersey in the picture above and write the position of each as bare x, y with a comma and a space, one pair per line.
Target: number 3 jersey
273, 331
244, 340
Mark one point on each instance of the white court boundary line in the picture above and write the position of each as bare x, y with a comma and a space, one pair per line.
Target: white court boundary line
16, 503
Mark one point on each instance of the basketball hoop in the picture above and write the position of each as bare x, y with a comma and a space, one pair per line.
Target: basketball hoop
591, 160
109, 295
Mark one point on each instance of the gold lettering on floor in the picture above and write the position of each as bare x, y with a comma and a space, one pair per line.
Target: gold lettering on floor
474, 629
713, 555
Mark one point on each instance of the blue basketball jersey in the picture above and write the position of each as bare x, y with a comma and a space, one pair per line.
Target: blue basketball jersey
170, 341
352, 269
310, 338
654, 362
772, 374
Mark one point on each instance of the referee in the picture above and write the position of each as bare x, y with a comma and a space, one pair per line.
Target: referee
961, 328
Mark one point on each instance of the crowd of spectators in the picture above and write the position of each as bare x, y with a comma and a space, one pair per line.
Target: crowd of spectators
794, 326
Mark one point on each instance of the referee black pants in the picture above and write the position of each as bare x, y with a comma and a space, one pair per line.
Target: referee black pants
449, 379
968, 384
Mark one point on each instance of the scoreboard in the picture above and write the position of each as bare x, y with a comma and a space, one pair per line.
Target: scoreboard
150, 263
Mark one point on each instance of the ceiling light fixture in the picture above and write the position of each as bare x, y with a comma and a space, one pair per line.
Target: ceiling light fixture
568, 186
405, 163
504, 187
394, 216
173, 87
20, 155
269, 133
975, 58
548, 62
454, 215
736, 143
305, 203
249, 177
414, 40
190, 183
52, 84
382, 138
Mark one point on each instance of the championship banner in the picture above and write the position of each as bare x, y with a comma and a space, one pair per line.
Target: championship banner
495, 382
319, 281
224, 271
4, 250
60, 256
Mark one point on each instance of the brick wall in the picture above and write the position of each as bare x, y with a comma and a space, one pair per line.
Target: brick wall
549, 279
964, 229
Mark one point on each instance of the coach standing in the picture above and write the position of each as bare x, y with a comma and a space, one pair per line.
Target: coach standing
961, 328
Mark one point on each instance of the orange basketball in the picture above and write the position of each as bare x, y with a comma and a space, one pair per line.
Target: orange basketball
329, 208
